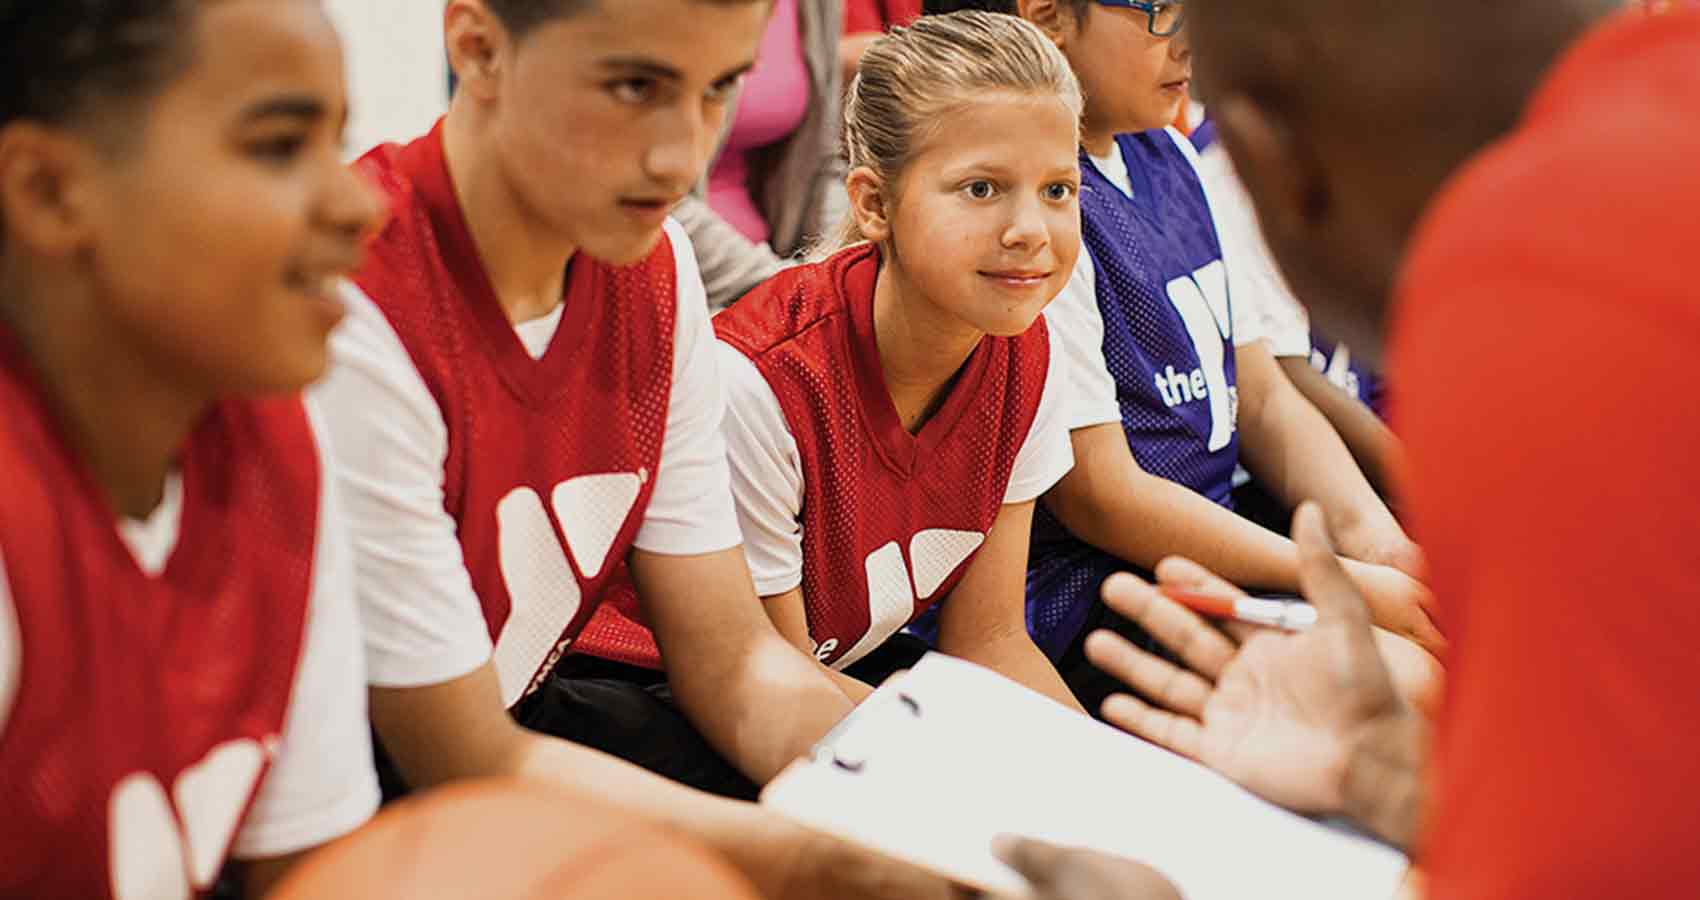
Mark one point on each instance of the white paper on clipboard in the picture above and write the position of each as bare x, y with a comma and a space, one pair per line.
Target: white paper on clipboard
948, 755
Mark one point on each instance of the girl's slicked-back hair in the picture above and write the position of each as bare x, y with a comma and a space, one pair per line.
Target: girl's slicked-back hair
938, 7
62, 59
912, 77
521, 16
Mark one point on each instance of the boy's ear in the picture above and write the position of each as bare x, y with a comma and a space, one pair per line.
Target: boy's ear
1054, 17
45, 188
474, 39
868, 204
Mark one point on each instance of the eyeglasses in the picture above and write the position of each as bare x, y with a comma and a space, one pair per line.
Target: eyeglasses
1162, 17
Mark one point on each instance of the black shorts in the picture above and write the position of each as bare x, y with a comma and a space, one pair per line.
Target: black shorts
900, 651
629, 712
625, 711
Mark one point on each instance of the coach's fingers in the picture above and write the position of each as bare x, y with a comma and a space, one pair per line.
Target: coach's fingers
1066, 873
1201, 646
1322, 579
1153, 677
1038, 862
1179, 733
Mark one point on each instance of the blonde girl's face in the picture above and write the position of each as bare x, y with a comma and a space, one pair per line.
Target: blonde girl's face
986, 223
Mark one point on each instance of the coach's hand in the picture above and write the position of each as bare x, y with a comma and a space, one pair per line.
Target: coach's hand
1300, 718
1068, 873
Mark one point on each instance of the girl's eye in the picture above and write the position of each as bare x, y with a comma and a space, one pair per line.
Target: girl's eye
980, 190
1060, 191
632, 90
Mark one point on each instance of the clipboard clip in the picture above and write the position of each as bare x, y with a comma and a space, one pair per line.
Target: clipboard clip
827, 751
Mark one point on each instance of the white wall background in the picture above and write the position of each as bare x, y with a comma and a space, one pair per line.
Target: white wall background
397, 78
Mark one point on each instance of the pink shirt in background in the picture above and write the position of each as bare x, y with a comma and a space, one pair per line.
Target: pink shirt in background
774, 99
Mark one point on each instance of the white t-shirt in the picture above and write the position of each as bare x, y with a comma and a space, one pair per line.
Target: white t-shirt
767, 469
1076, 319
424, 624
321, 785
1260, 291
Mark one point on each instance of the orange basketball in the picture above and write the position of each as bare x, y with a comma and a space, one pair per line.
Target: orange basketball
511, 840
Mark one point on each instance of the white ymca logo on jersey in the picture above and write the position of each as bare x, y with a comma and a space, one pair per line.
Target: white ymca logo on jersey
155, 858
936, 553
542, 592
1201, 299
1337, 369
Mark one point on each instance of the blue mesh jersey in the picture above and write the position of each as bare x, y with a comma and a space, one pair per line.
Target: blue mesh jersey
1162, 292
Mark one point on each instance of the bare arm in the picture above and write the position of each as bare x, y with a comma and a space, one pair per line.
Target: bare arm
1111, 503
1108, 501
458, 729
758, 699
984, 619
1370, 441
1298, 456
786, 611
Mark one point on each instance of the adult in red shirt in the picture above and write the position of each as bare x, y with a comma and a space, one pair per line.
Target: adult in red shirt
1555, 498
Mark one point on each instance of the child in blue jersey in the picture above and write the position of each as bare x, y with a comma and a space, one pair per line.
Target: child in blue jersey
1170, 396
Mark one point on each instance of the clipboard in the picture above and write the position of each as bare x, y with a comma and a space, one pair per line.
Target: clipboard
948, 755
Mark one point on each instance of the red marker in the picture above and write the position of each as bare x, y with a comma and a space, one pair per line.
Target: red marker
1283, 614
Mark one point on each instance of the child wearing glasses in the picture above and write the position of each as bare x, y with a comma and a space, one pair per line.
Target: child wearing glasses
1168, 396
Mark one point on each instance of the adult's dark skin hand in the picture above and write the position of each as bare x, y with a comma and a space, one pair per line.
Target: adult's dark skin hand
1072, 873
1309, 720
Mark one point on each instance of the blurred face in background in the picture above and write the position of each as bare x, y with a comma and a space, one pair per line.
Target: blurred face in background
215, 222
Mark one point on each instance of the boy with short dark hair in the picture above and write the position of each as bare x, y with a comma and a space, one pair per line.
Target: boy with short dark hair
526, 414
